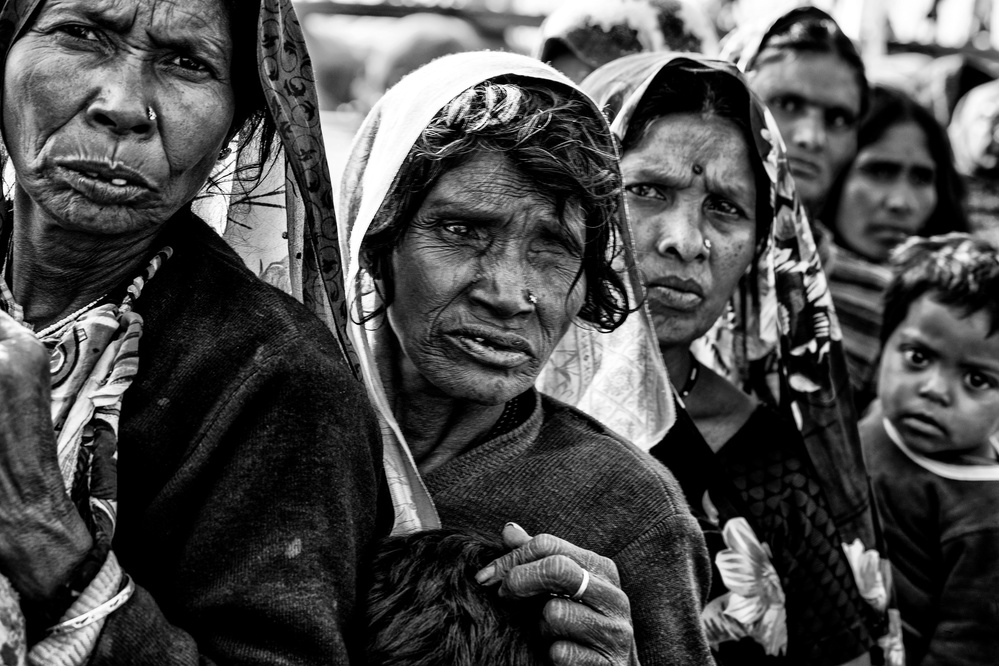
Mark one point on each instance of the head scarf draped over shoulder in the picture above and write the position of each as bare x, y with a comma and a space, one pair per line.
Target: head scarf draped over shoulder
286, 205
779, 340
598, 31
278, 218
383, 142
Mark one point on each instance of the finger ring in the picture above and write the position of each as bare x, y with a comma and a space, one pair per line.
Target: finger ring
578, 596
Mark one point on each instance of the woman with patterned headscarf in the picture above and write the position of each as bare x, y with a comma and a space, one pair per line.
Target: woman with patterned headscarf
188, 465
580, 36
769, 458
482, 219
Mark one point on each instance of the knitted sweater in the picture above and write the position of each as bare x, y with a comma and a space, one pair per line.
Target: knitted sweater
249, 467
562, 473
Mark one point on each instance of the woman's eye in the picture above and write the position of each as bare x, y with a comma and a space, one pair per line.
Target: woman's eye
457, 229
839, 120
787, 104
647, 191
725, 208
922, 177
80, 32
190, 64
978, 381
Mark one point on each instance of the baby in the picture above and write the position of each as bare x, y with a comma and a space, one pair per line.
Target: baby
424, 607
931, 447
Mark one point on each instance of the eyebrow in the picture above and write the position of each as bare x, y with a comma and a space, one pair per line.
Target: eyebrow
673, 177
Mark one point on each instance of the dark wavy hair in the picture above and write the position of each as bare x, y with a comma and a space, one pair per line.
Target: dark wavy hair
555, 139
707, 93
890, 107
956, 269
807, 30
424, 607
252, 124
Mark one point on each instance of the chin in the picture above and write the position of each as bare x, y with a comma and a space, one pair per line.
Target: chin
485, 388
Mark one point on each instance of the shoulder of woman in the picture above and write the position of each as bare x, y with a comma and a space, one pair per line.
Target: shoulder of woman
603, 453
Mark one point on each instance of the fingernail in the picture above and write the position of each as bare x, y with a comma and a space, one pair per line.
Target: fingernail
485, 575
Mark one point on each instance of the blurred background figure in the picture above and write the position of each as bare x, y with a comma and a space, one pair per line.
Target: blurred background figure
811, 77
425, 607
902, 183
408, 44
579, 37
974, 133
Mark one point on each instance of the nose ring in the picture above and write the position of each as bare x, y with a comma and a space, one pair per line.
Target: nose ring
531, 298
150, 113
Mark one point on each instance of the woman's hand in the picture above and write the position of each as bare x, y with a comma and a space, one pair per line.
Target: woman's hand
42, 537
591, 622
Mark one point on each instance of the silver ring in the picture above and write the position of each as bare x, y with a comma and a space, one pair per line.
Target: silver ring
150, 113
582, 586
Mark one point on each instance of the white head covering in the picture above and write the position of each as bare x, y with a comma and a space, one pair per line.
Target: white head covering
581, 372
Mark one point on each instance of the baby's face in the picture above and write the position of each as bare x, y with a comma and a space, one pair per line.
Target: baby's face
939, 382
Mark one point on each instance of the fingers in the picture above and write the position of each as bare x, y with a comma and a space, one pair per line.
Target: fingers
546, 545
558, 574
586, 636
566, 653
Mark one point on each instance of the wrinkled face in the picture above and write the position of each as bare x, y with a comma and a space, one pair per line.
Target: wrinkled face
485, 283
116, 109
889, 193
815, 99
939, 380
690, 185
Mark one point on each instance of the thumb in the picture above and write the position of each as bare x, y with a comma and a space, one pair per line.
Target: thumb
515, 536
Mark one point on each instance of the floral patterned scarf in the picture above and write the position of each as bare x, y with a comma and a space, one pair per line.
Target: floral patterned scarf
779, 339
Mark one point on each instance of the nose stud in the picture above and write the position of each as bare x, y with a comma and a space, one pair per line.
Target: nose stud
707, 244
698, 169
150, 113
531, 298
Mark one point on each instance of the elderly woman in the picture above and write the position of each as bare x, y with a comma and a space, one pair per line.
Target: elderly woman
810, 76
902, 183
580, 36
482, 207
716, 222
230, 444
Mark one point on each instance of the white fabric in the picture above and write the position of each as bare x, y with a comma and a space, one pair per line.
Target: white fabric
581, 372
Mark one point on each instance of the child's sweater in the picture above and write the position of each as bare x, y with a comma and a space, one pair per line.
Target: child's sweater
942, 528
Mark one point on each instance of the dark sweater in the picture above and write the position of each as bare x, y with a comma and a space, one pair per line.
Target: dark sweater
943, 537
562, 473
249, 465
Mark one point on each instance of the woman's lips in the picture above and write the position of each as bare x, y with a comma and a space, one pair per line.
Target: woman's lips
495, 348
682, 294
114, 191
801, 168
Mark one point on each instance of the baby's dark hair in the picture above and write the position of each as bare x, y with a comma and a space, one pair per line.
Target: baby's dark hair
424, 607
957, 269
